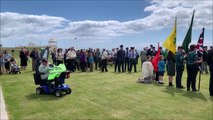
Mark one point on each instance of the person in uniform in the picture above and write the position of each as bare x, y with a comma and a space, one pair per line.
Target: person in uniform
132, 59
171, 67
179, 58
192, 68
210, 62
121, 58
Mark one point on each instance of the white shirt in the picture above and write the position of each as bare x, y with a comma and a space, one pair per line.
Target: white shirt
104, 55
147, 69
71, 54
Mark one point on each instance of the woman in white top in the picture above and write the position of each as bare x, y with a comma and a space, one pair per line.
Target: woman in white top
147, 71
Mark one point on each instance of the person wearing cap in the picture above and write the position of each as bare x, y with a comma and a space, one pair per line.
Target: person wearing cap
205, 59
210, 62
179, 58
121, 58
192, 68
132, 59
127, 59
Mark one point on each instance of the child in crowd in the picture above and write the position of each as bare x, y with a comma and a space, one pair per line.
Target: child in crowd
161, 69
91, 62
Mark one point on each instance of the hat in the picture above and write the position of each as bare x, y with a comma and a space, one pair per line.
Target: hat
132, 48
180, 47
121, 45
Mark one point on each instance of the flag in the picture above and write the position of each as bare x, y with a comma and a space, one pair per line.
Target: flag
170, 42
156, 59
200, 42
187, 39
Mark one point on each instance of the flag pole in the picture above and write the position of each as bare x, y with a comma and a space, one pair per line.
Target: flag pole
199, 78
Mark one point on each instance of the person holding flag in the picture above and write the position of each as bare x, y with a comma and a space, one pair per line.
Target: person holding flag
192, 68
170, 44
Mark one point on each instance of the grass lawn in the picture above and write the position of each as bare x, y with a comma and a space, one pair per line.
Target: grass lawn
106, 96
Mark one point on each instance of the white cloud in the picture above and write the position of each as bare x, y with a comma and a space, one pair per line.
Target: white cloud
183, 10
162, 14
16, 25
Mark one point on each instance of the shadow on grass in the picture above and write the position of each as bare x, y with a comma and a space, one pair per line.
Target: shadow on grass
157, 85
173, 90
211, 98
195, 95
44, 97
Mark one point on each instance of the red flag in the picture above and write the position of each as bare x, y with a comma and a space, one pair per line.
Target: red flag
156, 59
200, 42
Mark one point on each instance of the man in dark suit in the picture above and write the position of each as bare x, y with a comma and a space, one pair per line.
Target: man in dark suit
121, 58
127, 59
205, 59
150, 51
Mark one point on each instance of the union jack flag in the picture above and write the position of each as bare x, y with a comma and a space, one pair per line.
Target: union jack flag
200, 42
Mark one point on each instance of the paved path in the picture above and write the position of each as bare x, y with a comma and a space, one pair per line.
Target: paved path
3, 112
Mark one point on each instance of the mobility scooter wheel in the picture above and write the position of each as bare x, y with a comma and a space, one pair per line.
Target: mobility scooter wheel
38, 90
68, 91
58, 93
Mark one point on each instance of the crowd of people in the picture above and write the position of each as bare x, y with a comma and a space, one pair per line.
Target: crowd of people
123, 59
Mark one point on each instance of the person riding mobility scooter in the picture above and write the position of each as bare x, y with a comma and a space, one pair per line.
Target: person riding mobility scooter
51, 79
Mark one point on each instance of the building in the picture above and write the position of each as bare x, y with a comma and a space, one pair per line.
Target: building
52, 43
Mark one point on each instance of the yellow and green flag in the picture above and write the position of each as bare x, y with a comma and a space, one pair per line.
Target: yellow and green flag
170, 42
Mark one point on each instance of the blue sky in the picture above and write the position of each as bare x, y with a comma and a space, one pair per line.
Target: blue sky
104, 24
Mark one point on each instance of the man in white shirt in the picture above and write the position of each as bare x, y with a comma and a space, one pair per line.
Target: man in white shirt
104, 58
70, 57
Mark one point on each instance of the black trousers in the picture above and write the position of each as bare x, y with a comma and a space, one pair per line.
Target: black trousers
120, 64
126, 64
192, 70
71, 65
54, 61
132, 63
58, 62
116, 64
104, 65
83, 66
179, 73
96, 64
211, 81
